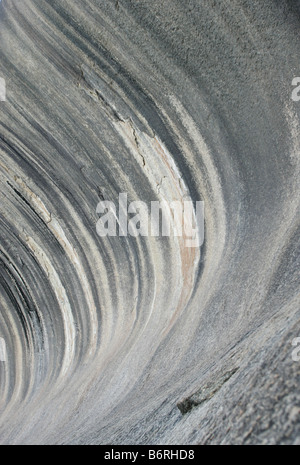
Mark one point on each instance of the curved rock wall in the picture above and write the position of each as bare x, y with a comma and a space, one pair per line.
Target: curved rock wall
126, 340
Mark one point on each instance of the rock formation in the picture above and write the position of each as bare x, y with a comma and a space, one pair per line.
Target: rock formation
141, 340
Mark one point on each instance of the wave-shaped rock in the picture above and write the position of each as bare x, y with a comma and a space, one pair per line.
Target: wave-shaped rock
127, 340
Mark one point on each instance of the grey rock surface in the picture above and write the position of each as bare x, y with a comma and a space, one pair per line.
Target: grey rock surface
124, 340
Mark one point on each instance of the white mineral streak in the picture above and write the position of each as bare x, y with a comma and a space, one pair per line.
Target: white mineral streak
161, 170
3, 353
61, 295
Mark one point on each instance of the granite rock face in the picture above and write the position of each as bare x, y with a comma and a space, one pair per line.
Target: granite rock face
141, 340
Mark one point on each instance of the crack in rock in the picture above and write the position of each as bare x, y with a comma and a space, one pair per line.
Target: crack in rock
205, 393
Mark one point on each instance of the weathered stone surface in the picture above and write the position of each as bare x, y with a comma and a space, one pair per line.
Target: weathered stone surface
106, 337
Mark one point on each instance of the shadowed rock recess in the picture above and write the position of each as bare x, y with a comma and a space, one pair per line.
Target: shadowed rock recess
140, 340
